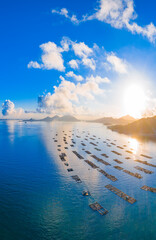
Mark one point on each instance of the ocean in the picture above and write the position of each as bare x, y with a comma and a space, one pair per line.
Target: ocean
39, 200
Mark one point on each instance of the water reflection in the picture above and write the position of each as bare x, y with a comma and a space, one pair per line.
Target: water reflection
133, 145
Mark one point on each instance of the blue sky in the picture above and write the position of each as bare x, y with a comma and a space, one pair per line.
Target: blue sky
26, 25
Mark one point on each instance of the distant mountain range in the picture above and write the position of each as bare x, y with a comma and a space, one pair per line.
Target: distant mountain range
141, 127
114, 121
66, 118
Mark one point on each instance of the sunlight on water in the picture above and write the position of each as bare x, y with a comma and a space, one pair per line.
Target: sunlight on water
40, 200
133, 145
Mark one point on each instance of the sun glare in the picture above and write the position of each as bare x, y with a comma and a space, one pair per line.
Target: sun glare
134, 101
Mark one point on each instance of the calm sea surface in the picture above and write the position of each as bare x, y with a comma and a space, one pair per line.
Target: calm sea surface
40, 200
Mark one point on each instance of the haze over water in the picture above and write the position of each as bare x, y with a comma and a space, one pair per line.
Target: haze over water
40, 200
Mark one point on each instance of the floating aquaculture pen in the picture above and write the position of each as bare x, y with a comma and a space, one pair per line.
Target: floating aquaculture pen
70, 170
76, 178
128, 151
118, 168
97, 149
117, 153
88, 152
105, 155
91, 164
150, 189
143, 170
78, 155
112, 178
137, 175
116, 160
145, 156
100, 160
120, 147
93, 144
97, 207
121, 194
146, 163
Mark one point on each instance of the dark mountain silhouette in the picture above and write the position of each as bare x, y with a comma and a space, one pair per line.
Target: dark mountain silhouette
143, 126
66, 118
114, 121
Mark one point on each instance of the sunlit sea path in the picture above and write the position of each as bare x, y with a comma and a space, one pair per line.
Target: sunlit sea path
40, 201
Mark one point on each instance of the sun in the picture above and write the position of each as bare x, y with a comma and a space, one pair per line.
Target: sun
134, 101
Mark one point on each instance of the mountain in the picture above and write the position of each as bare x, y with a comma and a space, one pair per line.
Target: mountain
50, 119
114, 121
66, 118
141, 127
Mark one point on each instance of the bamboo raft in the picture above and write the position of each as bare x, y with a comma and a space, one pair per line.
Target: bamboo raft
111, 177
118, 168
120, 147
78, 155
70, 170
150, 189
91, 164
97, 207
76, 178
145, 156
93, 144
100, 160
128, 151
88, 152
105, 155
143, 170
97, 149
146, 163
116, 160
115, 152
137, 175
121, 194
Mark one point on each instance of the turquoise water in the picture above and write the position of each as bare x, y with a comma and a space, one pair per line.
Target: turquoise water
40, 200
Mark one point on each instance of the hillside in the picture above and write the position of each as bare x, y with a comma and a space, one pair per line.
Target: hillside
115, 121
66, 118
144, 126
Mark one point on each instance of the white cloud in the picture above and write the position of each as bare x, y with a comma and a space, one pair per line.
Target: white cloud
68, 95
81, 49
74, 64
34, 64
8, 109
118, 64
51, 58
89, 62
71, 74
64, 12
119, 14
98, 79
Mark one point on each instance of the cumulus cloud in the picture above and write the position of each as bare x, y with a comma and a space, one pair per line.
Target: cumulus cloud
89, 62
98, 79
51, 57
68, 95
8, 108
71, 74
119, 14
74, 64
118, 64
81, 49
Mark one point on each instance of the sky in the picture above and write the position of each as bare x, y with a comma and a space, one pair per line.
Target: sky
85, 58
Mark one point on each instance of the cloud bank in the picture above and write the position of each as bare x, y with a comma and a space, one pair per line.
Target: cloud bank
120, 14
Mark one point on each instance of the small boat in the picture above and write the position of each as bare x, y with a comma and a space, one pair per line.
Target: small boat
86, 193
